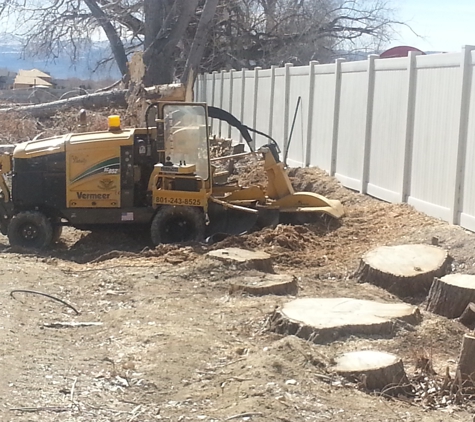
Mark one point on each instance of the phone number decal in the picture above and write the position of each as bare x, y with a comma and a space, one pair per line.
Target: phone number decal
178, 201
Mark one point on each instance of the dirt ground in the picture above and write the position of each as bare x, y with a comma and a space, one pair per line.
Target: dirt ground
173, 345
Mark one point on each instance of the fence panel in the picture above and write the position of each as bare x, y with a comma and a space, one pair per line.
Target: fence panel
235, 102
436, 125
278, 114
263, 109
322, 117
225, 92
297, 115
388, 128
352, 124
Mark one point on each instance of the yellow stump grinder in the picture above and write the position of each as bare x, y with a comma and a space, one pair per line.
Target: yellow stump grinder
159, 176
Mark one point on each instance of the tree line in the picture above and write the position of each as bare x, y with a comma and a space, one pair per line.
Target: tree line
178, 38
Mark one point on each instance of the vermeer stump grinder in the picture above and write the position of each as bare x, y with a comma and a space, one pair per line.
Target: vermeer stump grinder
159, 177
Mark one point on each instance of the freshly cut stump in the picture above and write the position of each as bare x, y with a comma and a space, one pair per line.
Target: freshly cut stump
449, 296
267, 284
466, 365
249, 260
468, 316
404, 270
324, 320
374, 370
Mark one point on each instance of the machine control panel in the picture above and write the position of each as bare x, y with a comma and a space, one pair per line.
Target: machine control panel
182, 169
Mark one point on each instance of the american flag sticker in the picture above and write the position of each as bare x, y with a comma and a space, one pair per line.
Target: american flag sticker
127, 216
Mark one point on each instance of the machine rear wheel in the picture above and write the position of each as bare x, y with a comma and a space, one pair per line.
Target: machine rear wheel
177, 224
30, 229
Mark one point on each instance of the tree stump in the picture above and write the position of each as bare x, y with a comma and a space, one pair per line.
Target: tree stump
450, 295
324, 320
242, 258
404, 270
374, 370
267, 284
466, 365
468, 316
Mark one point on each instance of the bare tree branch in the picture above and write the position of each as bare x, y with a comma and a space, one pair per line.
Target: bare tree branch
115, 42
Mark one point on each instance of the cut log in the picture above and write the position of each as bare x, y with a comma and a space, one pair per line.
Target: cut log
449, 296
324, 320
468, 316
267, 284
404, 270
116, 98
244, 259
466, 365
374, 370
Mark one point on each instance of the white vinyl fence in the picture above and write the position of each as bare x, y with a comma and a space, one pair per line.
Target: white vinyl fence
401, 129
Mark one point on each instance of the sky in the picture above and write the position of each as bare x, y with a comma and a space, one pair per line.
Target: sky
443, 25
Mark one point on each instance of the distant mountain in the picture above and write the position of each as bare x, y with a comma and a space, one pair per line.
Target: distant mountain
61, 67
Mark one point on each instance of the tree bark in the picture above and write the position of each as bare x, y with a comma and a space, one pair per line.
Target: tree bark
165, 25
466, 365
450, 295
199, 43
245, 259
468, 316
404, 270
115, 42
125, 17
374, 371
268, 284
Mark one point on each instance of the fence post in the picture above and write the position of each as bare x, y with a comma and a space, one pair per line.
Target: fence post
369, 123
231, 92
197, 89
204, 90
466, 76
272, 96
336, 116
411, 110
213, 86
221, 97
286, 105
254, 107
311, 95
213, 89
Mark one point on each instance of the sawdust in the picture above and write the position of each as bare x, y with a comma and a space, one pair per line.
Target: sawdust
327, 243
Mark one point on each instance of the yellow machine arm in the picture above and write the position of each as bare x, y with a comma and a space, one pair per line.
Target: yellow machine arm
5, 167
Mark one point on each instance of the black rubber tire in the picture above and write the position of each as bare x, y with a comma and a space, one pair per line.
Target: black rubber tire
177, 224
30, 229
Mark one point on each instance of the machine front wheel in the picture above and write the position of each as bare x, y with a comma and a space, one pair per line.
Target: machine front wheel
177, 224
30, 229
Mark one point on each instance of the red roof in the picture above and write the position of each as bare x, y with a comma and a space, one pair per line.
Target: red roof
400, 51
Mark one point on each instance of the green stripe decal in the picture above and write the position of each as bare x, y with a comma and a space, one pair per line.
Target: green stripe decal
110, 163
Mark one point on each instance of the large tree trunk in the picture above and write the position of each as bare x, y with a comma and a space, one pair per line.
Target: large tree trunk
165, 25
199, 43
117, 98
